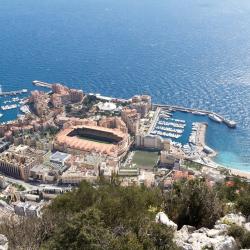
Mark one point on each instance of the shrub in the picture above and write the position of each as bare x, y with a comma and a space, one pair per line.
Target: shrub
241, 235
243, 203
193, 203
102, 217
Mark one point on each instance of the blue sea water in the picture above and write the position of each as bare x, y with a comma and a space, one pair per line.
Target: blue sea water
194, 53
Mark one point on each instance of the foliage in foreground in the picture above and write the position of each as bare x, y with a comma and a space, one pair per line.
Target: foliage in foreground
237, 193
102, 217
109, 216
193, 203
241, 235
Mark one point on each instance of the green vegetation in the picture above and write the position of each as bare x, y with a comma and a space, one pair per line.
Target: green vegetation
241, 235
7, 200
243, 203
224, 171
237, 192
52, 131
145, 159
19, 187
192, 165
193, 203
86, 105
106, 216
109, 216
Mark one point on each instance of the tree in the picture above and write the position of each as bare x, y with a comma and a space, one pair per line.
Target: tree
27, 232
243, 203
193, 203
100, 216
127, 242
84, 230
241, 235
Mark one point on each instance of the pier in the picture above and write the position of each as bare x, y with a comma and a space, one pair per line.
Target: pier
42, 84
200, 139
229, 123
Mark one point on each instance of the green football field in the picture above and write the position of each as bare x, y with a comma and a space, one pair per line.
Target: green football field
145, 159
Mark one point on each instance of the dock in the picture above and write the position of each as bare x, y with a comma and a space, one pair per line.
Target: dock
201, 134
42, 84
229, 123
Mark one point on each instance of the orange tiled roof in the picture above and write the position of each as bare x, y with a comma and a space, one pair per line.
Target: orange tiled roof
62, 138
177, 175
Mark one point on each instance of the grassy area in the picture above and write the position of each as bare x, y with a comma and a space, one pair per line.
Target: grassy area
145, 159
193, 165
19, 187
7, 200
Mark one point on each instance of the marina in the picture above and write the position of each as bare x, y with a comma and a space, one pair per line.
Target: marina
167, 127
186, 131
186, 134
210, 114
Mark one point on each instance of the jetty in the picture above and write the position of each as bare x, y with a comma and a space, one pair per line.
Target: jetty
42, 84
229, 123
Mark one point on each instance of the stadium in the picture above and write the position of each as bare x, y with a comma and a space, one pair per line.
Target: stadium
94, 139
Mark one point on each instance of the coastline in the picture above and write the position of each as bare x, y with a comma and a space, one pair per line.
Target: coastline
239, 173
201, 143
208, 160
211, 163
232, 171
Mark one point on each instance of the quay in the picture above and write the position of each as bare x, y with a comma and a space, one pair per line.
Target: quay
155, 119
229, 123
200, 139
42, 84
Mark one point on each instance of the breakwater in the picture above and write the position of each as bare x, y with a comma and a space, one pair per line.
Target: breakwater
42, 84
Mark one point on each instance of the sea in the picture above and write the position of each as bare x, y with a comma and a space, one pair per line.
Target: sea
193, 53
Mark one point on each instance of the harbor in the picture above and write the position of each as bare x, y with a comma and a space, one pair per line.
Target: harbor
185, 134
212, 115
10, 103
167, 127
